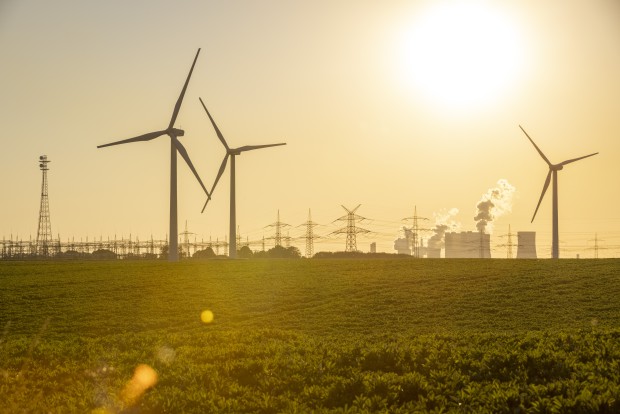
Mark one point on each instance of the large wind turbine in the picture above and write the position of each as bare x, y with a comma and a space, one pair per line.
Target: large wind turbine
553, 171
231, 152
175, 146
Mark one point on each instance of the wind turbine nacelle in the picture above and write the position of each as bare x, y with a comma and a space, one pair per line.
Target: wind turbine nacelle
558, 167
177, 132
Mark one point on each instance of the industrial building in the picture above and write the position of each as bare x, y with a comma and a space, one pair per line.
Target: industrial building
468, 244
433, 252
526, 245
402, 246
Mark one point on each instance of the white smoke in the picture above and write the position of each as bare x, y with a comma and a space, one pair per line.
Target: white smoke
444, 221
496, 202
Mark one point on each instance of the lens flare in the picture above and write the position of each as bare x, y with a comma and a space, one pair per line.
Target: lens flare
144, 377
206, 316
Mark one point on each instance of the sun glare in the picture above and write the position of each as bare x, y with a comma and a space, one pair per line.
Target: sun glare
461, 54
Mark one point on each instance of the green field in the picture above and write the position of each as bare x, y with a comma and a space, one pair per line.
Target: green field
464, 336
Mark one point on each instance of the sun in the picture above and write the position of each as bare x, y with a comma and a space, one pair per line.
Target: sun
461, 54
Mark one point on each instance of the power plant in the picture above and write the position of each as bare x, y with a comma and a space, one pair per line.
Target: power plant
526, 245
443, 243
468, 244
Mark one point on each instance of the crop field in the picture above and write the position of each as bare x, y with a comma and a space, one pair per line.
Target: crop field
297, 336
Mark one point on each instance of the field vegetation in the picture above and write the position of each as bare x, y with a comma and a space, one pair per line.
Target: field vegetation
333, 335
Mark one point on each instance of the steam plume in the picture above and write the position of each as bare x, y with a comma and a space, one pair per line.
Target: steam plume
493, 204
444, 221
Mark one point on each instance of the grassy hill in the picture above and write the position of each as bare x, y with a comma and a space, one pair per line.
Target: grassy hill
311, 335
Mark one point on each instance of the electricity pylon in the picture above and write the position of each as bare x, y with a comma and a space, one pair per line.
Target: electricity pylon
185, 235
278, 225
596, 246
44, 232
351, 230
509, 244
415, 232
238, 238
509, 253
310, 235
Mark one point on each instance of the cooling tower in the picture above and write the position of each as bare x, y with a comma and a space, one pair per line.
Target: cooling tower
526, 245
433, 253
468, 244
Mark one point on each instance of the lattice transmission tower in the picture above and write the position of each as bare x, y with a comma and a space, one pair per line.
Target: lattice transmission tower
238, 238
186, 244
415, 232
310, 235
508, 245
509, 252
596, 247
44, 232
278, 225
351, 230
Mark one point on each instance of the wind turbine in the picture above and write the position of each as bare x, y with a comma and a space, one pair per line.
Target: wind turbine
553, 171
231, 152
175, 146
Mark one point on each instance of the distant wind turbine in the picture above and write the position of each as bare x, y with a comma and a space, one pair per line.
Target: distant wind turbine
553, 170
175, 146
231, 152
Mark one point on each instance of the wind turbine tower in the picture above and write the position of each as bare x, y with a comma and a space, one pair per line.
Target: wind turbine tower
44, 232
231, 153
553, 172
175, 147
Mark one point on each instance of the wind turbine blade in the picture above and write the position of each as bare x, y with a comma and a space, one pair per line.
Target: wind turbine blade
254, 147
185, 156
220, 172
536, 146
542, 194
145, 137
577, 159
180, 100
205, 206
217, 130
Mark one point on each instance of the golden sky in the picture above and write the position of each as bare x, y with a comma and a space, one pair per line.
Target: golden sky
385, 104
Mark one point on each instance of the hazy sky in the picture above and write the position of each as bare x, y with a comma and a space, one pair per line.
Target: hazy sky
385, 104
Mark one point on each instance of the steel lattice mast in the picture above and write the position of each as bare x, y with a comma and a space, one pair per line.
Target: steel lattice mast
415, 232
278, 225
44, 232
351, 230
509, 252
310, 235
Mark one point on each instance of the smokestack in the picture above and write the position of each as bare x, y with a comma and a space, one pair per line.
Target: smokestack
493, 204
